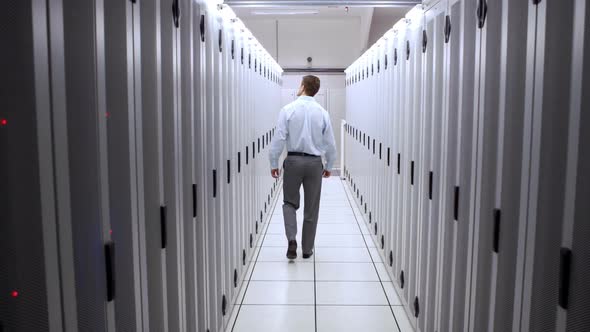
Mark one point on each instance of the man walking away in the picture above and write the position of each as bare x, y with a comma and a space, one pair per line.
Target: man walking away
305, 128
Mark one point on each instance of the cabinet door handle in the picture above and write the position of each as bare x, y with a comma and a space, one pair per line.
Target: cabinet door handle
482, 12
163, 227
176, 13
109, 252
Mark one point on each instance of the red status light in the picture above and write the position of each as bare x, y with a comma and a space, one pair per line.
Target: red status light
3, 122
14, 294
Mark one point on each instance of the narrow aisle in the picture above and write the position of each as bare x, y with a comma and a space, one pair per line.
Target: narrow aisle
343, 287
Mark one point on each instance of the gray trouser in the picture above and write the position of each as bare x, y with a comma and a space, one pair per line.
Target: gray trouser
307, 171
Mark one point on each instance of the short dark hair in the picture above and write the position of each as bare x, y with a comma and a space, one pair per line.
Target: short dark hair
311, 85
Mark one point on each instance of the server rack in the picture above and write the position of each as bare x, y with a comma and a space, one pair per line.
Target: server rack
114, 218
556, 33
482, 207
33, 175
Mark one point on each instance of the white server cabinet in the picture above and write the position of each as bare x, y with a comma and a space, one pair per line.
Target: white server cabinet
499, 109
573, 316
213, 155
190, 98
34, 194
124, 138
153, 178
204, 242
454, 219
446, 178
390, 156
416, 138
433, 39
173, 227
556, 38
130, 117
486, 223
94, 251
156, 55
229, 177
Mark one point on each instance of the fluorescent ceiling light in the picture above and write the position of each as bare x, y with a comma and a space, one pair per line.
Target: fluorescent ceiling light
286, 12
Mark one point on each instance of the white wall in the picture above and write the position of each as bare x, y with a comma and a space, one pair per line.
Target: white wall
331, 42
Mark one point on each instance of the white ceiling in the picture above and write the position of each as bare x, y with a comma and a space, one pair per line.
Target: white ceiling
383, 20
391, 12
372, 22
283, 12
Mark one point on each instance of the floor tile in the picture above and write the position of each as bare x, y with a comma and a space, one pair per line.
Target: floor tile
283, 271
278, 254
277, 219
280, 292
355, 318
402, 319
350, 293
276, 228
337, 219
336, 210
268, 318
342, 255
278, 240
346, 241
346, 272
338, 229
322, 219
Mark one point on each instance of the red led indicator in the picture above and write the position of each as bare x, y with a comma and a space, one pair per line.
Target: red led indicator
3, 122
14, 294
111, 232
108, 115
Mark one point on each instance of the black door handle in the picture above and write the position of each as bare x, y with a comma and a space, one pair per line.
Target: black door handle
202, 27
482, 12
109, 252
176, 13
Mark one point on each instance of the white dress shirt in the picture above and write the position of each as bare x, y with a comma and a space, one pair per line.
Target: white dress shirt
304, 126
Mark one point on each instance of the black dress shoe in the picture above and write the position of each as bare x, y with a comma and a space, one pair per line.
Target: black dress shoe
309, 254
292, 251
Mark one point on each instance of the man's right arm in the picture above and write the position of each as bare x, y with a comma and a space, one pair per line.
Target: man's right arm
278, 142
329, 143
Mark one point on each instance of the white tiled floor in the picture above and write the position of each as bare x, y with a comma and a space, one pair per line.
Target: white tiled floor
343, 287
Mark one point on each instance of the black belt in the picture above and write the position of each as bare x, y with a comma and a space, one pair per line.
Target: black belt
301, 154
